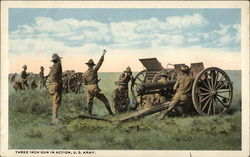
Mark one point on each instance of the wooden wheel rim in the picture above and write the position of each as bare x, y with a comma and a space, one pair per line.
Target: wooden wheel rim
207, 99
75, 83
139, 78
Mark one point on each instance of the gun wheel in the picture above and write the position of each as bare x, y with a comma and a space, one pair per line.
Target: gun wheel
75, 83
139, 78
212, 92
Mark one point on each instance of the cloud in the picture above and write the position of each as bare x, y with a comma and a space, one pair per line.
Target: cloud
90, 31
177, 39
187, 20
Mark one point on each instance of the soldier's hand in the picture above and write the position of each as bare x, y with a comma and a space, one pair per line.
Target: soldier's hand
104, 51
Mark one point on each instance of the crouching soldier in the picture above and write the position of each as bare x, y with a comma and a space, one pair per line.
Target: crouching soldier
55, 88
181, 101
120, 98
91, 81
120, 95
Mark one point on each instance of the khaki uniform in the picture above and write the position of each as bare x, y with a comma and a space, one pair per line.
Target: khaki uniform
121, 100
120, 94
41, 79
55, 88
92, 89
24, 77
182, 95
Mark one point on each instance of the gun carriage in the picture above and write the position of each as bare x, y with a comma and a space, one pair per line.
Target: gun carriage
72, 82
212, 90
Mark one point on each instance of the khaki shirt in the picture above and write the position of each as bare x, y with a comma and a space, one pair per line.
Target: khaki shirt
124, 78
55, 73
90, 76
184, 85
24, 74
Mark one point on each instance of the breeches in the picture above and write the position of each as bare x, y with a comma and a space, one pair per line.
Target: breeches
94, 91
56, 94
180, 97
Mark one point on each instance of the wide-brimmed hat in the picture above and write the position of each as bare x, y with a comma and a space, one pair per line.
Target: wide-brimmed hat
185, 68
55, 57
24, 66
128, 70
90, 62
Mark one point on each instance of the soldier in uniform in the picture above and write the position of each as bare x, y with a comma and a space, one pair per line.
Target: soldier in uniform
125, 77
24, 76
41, 77
183, 88
91, 81
120, 98
55, 88
120, 95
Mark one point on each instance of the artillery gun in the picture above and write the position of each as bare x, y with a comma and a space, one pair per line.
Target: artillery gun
212, 91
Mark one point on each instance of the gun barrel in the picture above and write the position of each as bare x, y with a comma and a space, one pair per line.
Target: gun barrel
149, 87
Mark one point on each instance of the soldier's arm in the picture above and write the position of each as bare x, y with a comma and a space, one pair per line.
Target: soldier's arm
176, 85
122, 77
99, 64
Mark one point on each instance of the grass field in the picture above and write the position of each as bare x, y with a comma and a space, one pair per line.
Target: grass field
30, 128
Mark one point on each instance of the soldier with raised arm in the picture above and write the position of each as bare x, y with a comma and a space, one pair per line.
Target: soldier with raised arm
91, 81
55, 88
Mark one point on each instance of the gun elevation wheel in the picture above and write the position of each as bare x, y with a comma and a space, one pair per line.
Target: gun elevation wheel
212, 92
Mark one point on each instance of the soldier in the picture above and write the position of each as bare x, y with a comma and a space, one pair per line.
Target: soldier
183, 88
24, 76
120, 95
41, 77
120, 98
55, 88
91, 81
125, 77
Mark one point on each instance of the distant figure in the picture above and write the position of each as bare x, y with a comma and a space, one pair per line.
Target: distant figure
55, 88
13, 77
41, 77
183, 88
24, 76
17, 85
91, 81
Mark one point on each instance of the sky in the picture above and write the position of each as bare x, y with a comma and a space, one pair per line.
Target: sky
211, 36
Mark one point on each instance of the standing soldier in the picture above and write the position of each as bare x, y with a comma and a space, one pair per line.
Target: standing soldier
24, 76
55, 88
41, 77
183, 88
91, 81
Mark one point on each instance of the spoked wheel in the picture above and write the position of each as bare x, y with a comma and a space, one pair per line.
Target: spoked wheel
212, 92
46, 83
76, 84
139, 78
